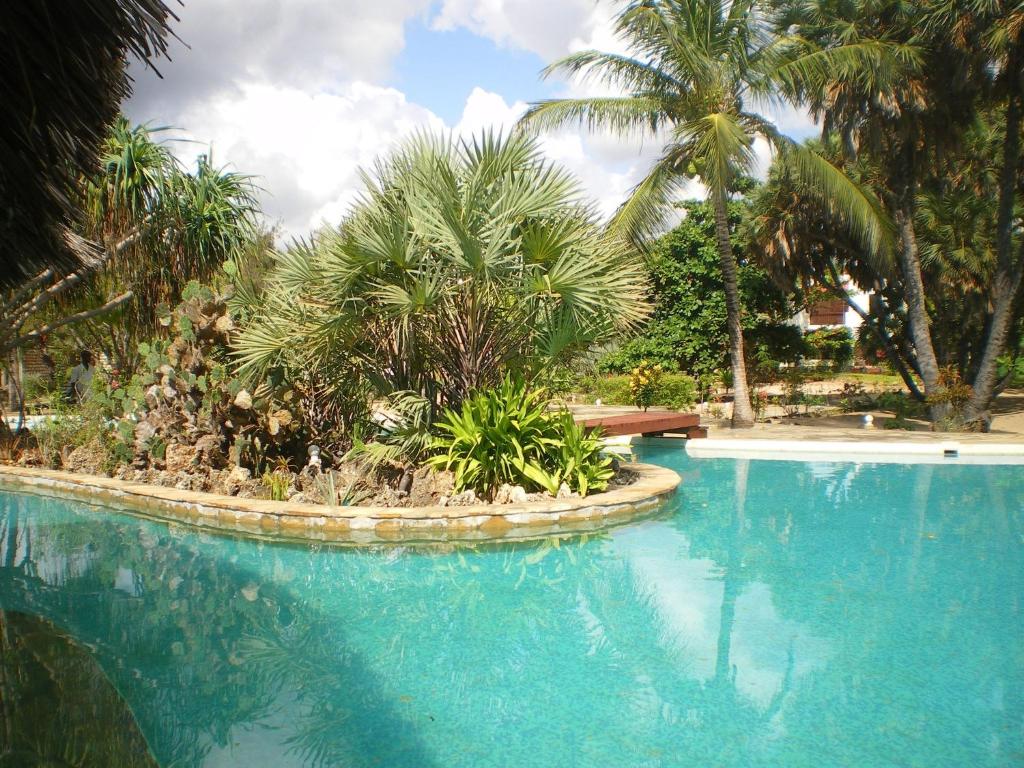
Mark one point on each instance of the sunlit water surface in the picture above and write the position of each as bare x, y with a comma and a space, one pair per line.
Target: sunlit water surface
778, 614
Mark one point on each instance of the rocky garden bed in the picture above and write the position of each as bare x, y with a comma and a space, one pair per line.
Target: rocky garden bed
189, 467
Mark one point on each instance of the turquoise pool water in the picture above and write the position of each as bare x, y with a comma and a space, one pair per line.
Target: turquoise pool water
779, 614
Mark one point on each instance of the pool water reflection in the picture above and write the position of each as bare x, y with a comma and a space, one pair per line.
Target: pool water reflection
780, 613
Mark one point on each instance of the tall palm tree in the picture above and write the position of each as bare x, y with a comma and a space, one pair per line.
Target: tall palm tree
909, 120
991, 34
696, 66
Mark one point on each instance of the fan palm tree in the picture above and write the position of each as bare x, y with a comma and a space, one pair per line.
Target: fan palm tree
462, 260
695, 68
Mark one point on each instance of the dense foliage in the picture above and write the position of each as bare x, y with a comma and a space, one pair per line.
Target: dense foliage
687, 330
935, 133
464, 260
508, 436
673, 390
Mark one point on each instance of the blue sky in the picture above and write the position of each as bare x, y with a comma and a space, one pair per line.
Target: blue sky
440, 68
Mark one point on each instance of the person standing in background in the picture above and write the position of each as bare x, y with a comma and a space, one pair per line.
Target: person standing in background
80, 381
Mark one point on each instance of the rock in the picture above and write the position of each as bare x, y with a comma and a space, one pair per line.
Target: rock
208, 452
178, 457
239, 475
442, 501
169, 392
511, 494
463, 499
565, 492
144, 431
243, 400
153, 396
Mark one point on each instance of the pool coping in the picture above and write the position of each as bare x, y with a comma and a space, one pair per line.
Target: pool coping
361, 525
881, 451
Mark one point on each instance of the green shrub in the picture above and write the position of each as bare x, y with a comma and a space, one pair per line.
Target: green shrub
832, 344
577, 460
643, 384
507, 435
674, 390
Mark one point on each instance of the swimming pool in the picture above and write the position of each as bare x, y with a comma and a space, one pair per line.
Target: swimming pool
777, 613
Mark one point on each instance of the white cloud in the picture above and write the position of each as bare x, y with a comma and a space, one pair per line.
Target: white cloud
550, 28
306, 147
488, 111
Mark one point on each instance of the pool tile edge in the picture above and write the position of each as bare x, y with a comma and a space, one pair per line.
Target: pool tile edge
360, 525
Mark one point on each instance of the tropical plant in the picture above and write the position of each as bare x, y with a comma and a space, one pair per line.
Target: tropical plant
500, 436
162, 228
694, 67
578, 460
508, 436
463, 260
643, 384
688, 327
402, 439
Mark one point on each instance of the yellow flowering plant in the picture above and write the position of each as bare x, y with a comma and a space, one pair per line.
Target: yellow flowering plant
643, 383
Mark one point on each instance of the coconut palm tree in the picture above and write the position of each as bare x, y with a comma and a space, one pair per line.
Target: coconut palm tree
908, 119
462, 260
696, 67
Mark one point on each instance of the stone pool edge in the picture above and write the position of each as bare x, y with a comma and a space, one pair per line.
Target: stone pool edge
361, 525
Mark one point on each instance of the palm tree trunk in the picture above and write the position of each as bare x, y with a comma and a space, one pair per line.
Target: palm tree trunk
742, 413
1008, 274
917, 311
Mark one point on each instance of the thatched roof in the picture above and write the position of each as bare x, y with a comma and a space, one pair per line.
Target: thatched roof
62, 80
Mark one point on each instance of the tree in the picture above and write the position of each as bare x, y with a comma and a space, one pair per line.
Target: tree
161, 228
992, 32
911, 126
151, 228
62, 78
687, 329
463, 260
696, 64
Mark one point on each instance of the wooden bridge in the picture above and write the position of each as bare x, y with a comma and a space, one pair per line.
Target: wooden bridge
648, 424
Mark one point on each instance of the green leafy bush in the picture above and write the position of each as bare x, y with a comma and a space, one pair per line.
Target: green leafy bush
687, 330
832, 344
674, 390
507, 436
578, 461
643, 384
